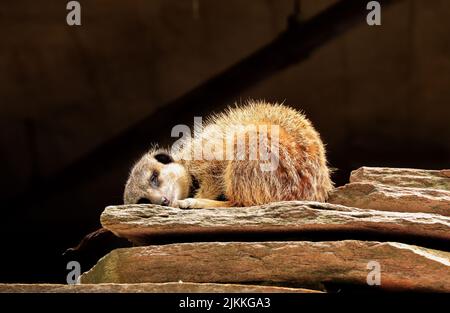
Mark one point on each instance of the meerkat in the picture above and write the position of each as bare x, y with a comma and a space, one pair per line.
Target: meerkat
287, 161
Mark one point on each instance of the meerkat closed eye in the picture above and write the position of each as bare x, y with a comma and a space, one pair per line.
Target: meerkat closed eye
248, 155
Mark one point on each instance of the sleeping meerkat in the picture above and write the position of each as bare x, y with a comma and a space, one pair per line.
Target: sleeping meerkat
248, 155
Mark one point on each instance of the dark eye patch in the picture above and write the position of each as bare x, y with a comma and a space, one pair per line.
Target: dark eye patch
154, 179
163, 158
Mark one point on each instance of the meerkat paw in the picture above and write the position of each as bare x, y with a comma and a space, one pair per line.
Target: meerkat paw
199, 203
188, 203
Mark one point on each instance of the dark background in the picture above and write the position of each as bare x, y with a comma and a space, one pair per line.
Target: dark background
379, 96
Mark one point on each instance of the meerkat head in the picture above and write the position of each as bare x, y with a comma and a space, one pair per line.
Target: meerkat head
157, 178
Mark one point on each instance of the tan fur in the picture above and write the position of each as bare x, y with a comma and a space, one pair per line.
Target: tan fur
302, 172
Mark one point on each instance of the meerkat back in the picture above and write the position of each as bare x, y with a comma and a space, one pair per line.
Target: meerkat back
295, 167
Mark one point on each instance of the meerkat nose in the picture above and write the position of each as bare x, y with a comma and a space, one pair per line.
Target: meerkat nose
165, 201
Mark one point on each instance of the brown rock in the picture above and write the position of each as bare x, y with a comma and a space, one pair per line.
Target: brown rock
148, 223
368, 195
315, 265
403, 177
146, 288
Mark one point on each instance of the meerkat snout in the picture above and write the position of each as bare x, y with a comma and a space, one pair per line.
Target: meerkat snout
157, 179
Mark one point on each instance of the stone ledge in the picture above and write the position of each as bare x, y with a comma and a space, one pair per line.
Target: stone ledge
144, 223
312, 265
374, 196
396, 189
173, 287
403, 177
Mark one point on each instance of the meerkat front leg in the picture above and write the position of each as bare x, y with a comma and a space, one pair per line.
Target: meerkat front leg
200, 203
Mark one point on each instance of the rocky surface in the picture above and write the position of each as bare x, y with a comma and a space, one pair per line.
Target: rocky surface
396, 189
374, 196
144, 223
403, 177
314, 265
178, 287
240, 249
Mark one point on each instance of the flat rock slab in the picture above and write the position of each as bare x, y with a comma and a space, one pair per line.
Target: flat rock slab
403, 177
312, 265
144, 223
374, 196
174, 287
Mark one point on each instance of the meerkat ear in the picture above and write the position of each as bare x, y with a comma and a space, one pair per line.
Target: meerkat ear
163, 157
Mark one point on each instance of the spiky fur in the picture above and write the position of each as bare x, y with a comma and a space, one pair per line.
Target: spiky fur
302, 172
